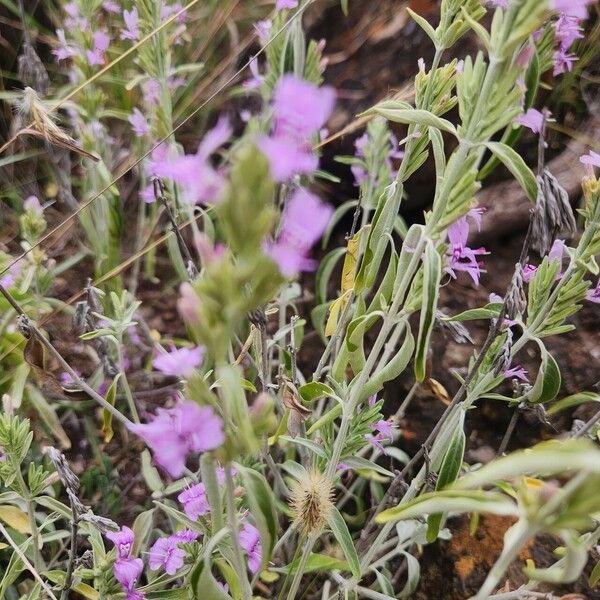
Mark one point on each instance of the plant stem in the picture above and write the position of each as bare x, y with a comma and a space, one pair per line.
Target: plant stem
234, 528
35, 533
308, 546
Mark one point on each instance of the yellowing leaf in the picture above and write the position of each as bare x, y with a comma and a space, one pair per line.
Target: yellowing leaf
83, 589
111, 396
349, 268
14, 517
337, 306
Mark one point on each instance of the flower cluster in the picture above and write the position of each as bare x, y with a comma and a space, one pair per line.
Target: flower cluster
194, 500
179, 362
567, 29
166, 553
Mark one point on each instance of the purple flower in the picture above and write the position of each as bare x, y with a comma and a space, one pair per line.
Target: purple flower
571, 8
592, 159
132, 25
250, 542
300, 111
63, 50
127, 571
263, 30
188, 304
567, 30
201, 182
257, 79
303, 222
176, 432
281, 4
518, 372
151, 91
385, 432
186, 536
139, 123
195, 503
135, 595
563, 61
499, 3
32, 204
123, 541
533, 119
179, 362
594, 295
460, 256
74, 20
100, 43
166, 554
372, 401
528, 273
110, 6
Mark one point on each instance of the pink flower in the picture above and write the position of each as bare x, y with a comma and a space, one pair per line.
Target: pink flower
572, 8
127, 571
556, 253
372, 401
563, 61
195, 503
135, 595
139, 123
186, 536
132, 25
188, 303
499, 3
75, 20
32, 204
179, 362
110, 6
250, 542
593, 159
263, 30
257, 79
528, 273
385, 432
176, 432
100, 43
518, 372
166, 554
303, 222
123, 541
567, 30
151, 91
63, 50
300, 111
201, 182
461, 257
281, 4
533, 119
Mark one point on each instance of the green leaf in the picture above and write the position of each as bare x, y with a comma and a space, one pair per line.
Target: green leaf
262, 506
359, 463
548, 380
394, 368
316, 563
342, 535
314, 390
513, 161
424, 24
455, 501
328, 417
107, 417
489, 311
326, 267
142, 526
312, 446
48, 415
546, 458
431, 280
411, 116
213, 491
448, 473
205, 586
595, 575
573, 400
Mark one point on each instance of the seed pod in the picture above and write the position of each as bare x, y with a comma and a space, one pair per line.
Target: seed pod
311, 502
552, 215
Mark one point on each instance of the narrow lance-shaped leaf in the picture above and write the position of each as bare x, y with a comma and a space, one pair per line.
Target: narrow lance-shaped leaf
431, 279
513, 161
342, 535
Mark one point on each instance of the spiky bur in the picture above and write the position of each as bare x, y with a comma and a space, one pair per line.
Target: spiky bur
311, 502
